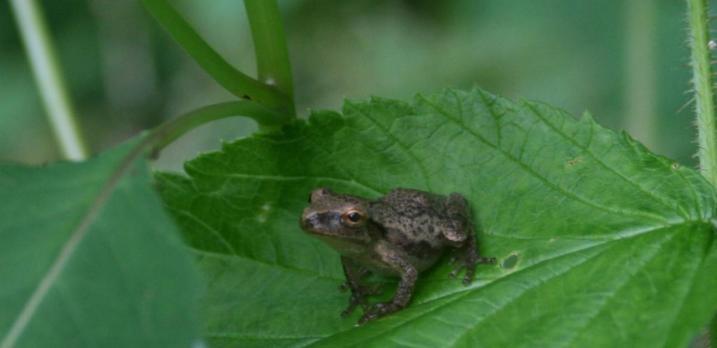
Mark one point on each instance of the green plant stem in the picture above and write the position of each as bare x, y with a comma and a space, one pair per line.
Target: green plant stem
175, 128
48, 76
272, 55
217, 67
702, 84
704, 100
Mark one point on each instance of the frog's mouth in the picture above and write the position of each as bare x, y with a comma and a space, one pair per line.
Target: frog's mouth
311, 222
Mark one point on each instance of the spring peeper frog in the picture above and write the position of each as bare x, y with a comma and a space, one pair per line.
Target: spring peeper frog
401, 234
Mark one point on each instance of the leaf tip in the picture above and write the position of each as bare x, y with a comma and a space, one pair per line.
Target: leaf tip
587, 117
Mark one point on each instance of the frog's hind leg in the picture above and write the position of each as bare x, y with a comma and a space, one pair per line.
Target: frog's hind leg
359, 293
463, 234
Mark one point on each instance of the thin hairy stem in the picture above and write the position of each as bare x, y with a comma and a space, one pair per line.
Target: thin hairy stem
702, 85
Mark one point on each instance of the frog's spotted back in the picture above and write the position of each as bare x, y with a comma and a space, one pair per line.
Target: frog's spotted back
422, 216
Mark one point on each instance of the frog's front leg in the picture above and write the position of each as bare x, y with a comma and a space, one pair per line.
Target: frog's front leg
462, 235
396, 260
359, 292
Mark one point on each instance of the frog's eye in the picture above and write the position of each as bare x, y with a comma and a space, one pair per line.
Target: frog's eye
352, 217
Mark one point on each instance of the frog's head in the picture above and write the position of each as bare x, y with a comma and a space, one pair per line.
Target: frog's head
335, 216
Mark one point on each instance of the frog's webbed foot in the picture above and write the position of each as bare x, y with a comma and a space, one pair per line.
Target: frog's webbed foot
378, 310
359, 296
359, 292
468, 260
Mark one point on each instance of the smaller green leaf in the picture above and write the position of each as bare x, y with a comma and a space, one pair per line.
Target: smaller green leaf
88, 257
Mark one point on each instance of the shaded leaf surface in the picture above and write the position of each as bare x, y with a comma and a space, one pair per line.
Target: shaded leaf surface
90, 244
600, 243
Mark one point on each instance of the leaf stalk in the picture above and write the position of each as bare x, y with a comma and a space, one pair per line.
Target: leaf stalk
169, 131
272, 55
233, 80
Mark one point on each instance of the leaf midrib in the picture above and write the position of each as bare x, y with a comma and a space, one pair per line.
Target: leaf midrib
462, 292
68, 249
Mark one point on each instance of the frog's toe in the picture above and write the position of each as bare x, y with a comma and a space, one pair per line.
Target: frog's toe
468, 278
366, 317
350, 309
487, 260
458, 266
359, 297
353, 303
376, 311
469, 267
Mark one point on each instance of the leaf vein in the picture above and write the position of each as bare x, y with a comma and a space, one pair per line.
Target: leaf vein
601, 306
406, 149
209, 228
542, 179
661, 199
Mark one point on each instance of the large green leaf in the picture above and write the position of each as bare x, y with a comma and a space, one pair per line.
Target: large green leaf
88, 258
600, 243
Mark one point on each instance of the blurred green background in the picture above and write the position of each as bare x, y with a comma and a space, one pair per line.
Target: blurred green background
624, 61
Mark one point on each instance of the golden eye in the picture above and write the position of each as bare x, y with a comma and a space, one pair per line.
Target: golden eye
352, 217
